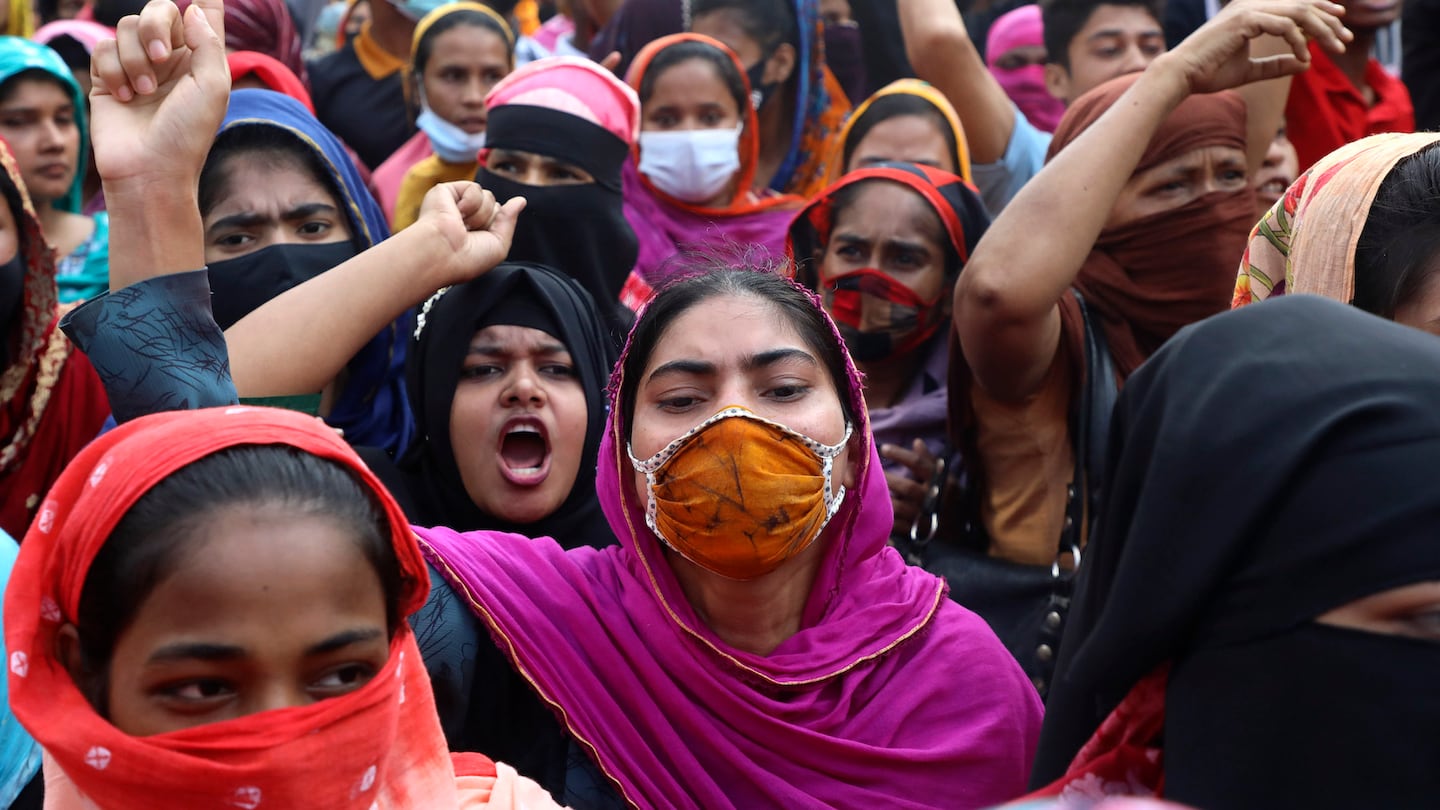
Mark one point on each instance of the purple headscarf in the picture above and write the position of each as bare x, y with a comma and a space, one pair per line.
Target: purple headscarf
890, 695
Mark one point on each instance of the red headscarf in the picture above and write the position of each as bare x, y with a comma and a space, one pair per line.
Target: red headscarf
380, 746
271, 72
51, 401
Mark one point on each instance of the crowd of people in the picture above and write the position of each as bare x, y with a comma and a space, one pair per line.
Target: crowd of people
719, 404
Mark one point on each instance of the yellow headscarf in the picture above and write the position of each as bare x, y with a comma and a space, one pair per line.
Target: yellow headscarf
907, 87
20, 19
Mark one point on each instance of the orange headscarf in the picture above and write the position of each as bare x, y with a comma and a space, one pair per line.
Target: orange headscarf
378, 747
747, 198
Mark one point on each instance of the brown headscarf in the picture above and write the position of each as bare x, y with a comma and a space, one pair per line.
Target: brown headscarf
1149, 278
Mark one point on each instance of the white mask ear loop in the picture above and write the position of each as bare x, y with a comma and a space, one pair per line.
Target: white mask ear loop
827, 454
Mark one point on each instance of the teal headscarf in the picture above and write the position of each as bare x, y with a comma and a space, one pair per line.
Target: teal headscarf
19, 753
18, 55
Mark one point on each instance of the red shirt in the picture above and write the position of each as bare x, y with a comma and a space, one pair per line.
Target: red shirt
1326, 111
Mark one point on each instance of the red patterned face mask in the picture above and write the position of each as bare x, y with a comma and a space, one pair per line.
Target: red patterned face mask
878, 316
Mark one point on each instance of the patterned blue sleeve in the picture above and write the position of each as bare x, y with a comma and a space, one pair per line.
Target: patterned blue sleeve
156, 346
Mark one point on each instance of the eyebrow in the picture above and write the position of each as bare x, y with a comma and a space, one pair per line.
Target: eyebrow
1120, 32
340, 641
187, 651
251, 219
754, 362
492, 350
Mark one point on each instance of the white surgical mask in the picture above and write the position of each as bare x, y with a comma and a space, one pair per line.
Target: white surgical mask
415, 10
450, 142
690, 165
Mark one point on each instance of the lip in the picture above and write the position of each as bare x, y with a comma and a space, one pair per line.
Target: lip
531, 477
53, 171
469, 124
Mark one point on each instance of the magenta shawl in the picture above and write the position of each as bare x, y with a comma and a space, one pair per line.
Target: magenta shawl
666, 230
890, 696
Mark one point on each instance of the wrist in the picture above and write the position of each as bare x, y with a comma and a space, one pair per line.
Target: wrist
1169, 77
428, 252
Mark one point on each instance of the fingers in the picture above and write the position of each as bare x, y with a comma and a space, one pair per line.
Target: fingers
611, 61
503, 225
204, 34
214, 13
126, 67
905, 496
916, 458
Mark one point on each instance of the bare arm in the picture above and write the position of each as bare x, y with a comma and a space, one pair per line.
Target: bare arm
1006, 302
1264, 104
941, 51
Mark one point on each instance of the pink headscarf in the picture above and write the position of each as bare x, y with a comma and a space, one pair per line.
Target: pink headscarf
85, 32
1025, 85
574, 85
890, 695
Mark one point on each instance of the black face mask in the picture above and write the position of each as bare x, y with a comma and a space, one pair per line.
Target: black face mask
243, 284
12, 290
759, 91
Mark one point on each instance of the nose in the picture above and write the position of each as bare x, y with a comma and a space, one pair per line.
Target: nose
475, 91
534, 175
1135, 59
277, 694
524, 387
52, 137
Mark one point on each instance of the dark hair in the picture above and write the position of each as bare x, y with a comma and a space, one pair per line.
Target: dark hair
452, 20
898, 105
1063, 19
1399, 248
723, 279
72, 52
10, 85
153, 538
276, 144
109, 12
768, 22
685, 51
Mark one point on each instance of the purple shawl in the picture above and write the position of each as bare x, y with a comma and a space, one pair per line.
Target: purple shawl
665, 230
891, 695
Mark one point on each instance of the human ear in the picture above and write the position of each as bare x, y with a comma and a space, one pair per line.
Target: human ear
72, 658
1057, 81
781, 64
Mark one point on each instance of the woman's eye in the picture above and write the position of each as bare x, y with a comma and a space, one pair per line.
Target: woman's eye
562, 173
558, 370
507, 167
786, 393
909, 260
848, 252
347, 678
678, 403
315, 228
711, 120
479, 372
234, 240
198, 690
664, 121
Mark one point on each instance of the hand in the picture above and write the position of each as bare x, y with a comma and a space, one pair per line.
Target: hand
908, 489
1217, 56
611, 61
475, 229
159, 92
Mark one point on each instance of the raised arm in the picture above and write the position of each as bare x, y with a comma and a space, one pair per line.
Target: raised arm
1006, 302
940, 49
160, 93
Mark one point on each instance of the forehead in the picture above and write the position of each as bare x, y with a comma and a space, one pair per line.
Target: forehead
34, 90
724, 25
468, 43
881, 208
1215, 156
1124, 20
512, 338
750, 325
257, 182
909, 131
693, 80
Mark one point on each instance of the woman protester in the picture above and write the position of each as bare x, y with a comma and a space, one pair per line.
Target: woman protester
799, 102
460, 52
1143, 169
75, 40
692, 186
42, 119
907, 121
883, 248
1357, 228
256, 71
558, 133
210, 612
1230, 596
806, 706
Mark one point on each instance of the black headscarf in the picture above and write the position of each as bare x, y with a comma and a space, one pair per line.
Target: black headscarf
579, 230
1266, 466
427, 479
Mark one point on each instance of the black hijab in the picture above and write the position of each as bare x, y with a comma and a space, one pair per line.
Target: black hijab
1266, 466
427, 480
579, 230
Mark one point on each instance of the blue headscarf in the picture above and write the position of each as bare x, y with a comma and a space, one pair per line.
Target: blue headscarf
19, 753
372, 408
18, 55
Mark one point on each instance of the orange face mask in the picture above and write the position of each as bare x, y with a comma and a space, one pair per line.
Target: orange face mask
738, 495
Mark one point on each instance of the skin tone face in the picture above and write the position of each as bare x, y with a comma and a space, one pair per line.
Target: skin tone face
763, 365
1279, 170
465, 63
517, 423
1368, 15
38, 121
1116, 40
268, 202
725, 26
688, 96
905, 138
268, 611
1422, 310
1023, 56
358, 17
1179, 181
1412, 611
535, 170
888, 228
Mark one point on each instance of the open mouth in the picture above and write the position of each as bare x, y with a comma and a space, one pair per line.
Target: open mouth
524, 452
